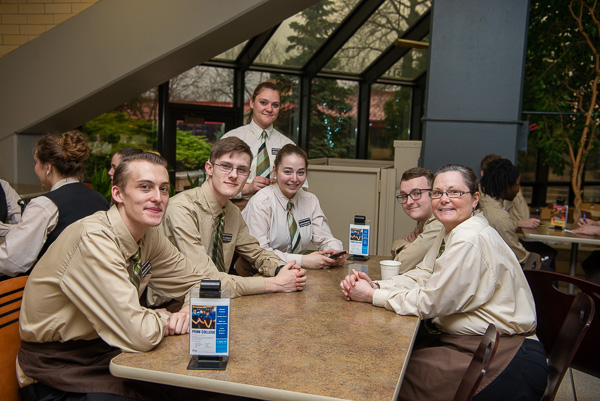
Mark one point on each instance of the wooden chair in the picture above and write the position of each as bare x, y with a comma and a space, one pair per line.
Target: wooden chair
478, 366
11, 292
569, 338
552, 306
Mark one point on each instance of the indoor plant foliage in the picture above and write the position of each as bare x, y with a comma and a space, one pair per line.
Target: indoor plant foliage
562, 80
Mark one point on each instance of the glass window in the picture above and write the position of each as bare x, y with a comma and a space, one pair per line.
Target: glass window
557, 193
389, 119
300, 36
377, 34
133, 124
232, 53
410, 66
332, 131
203, 85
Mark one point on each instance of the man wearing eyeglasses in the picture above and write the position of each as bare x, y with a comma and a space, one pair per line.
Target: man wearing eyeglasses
415, 186
208, 229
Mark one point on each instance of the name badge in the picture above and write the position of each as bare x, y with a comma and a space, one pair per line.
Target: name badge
274, 151
227, 237
304, 222
146, 267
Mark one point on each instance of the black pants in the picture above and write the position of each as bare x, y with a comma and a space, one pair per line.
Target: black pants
524, 379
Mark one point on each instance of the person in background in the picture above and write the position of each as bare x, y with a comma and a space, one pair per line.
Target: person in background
502, 182
467, 280
193, 224
286, 219
59, 165
10, 210
118, 156
591, 265
264, 140
415, 186
516, 208
81, 306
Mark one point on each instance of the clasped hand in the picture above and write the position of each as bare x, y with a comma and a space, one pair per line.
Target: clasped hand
358, 287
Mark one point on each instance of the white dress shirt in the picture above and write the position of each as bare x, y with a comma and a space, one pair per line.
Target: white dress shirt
14, 210
266, 217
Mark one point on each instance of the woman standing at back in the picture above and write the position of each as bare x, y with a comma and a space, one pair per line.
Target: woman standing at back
59, 165
264, 140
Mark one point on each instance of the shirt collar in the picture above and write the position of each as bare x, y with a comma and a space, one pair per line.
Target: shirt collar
282, 199
210, 200
127, 243
64, 181
257, 130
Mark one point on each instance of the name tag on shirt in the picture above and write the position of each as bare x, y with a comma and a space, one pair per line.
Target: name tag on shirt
274, 151
146, 267
304, 222
227, 237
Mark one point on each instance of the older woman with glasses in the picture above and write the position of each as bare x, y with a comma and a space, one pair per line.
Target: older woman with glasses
468, 279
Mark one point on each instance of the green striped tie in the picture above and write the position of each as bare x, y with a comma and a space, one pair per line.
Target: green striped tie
294, 232
442, 249
217, 245
136, 270
262, 159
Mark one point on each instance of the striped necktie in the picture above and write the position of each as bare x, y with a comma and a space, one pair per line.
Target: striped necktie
442, 249
217, 244
262, 159
294, 232
136, 270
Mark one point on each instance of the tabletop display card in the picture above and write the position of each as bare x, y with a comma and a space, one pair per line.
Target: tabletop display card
359, 239
559, 216
209, 326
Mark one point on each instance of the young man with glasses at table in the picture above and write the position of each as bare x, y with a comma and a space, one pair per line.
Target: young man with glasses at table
415, 186
208, 228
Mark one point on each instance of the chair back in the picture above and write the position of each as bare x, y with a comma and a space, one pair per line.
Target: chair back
569, 338
478, 366
11, 292
552, 306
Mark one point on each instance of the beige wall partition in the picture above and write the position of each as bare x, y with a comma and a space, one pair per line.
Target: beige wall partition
347, 187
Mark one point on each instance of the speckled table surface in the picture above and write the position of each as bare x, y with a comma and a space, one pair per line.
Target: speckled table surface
309, 345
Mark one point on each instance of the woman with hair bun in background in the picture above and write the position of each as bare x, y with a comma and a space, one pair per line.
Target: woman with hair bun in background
59, 165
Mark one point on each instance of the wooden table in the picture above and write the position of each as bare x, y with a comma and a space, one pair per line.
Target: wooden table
309, 345
551, 235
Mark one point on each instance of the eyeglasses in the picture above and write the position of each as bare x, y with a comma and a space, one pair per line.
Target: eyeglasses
415, 194
452, 193
228, 168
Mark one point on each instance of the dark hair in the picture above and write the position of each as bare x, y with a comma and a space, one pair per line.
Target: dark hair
122, 172
265, 85
467, 173
228, 145
66, 152
487, 159
290, 149
128, 151
417, 172
500, 175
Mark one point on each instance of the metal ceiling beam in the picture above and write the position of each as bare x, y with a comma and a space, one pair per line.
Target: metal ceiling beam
340, 36
253, 48
394, 53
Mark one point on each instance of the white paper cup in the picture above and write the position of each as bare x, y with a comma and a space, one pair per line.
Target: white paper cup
389, 268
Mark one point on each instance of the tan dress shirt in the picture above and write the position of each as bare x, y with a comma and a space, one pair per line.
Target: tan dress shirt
25, 240
266, 216
517, 208
500, 219
412, 253
476, 281
251, 133
80, 289
189, 224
